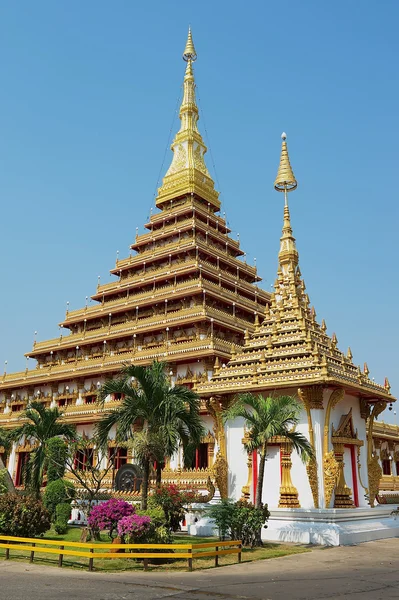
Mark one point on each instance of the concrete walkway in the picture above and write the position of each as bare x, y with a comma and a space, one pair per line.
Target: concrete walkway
366, 572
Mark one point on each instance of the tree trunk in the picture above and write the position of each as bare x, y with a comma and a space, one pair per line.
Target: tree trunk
259, 489
261, 474
144, 486
8, 480
159, 475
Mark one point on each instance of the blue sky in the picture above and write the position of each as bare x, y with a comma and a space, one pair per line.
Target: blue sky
88, 95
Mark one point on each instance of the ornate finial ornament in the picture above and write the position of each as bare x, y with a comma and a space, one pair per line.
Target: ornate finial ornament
285, 180
188, 173
189, 51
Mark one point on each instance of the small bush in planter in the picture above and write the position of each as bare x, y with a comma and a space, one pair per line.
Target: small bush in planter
23, 516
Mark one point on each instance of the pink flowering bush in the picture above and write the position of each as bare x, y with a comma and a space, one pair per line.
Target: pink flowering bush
107, 515
134, 528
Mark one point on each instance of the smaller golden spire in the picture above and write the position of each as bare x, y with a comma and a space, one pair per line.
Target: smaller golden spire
349, 354
189, 51
285, 180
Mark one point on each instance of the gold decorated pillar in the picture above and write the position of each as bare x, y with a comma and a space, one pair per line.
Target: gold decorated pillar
288, 492
343, 496
246, 489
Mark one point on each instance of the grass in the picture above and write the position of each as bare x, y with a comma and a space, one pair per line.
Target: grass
269, 550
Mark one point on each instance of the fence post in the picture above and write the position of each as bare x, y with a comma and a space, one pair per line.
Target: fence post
60, 557
190, 559
32, 554
145, 561
7, 551
91, 560
216, 557
239, 553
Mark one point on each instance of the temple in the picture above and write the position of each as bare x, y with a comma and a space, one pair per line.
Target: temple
186, 295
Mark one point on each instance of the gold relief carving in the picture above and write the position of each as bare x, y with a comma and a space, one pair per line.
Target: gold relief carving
246, 489
342, 492
199, 162
288, 492
179, 160
330, 467
220, 471
220, 467
311, 467
375, 474
315, 396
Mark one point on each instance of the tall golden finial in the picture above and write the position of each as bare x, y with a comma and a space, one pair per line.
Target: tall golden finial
188, 174
189, 51
286, 182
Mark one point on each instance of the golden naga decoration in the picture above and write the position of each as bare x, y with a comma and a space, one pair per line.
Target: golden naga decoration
373, 466
220, 467
310, 399
330, 464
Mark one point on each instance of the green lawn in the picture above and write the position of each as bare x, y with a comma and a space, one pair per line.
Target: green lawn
269, 550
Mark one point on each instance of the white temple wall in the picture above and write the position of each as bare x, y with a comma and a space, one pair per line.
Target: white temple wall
299, 475
272, 478
236, 457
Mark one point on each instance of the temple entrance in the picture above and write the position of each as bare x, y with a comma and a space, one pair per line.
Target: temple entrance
345, 440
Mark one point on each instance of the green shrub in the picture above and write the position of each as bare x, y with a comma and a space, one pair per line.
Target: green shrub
56, 455
159, 531
23, 516
58, 492
222, 514
247, 522
240, 520
63, 512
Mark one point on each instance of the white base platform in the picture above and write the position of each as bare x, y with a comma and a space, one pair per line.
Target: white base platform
331, 527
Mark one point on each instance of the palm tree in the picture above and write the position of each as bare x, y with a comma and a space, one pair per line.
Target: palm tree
42, 425
6, 443
166, 416
264, 419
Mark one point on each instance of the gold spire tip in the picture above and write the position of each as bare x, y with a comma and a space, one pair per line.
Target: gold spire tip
189, 53
285, 180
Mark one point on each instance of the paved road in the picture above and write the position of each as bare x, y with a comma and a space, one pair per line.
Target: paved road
365, 572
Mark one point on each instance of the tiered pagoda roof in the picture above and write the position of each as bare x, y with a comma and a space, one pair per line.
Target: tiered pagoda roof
289, 348
183, 295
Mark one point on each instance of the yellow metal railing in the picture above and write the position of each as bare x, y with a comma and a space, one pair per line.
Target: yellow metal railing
91, 551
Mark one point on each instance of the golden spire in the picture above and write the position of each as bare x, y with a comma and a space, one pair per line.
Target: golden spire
189, 51
188, 173
286, 182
